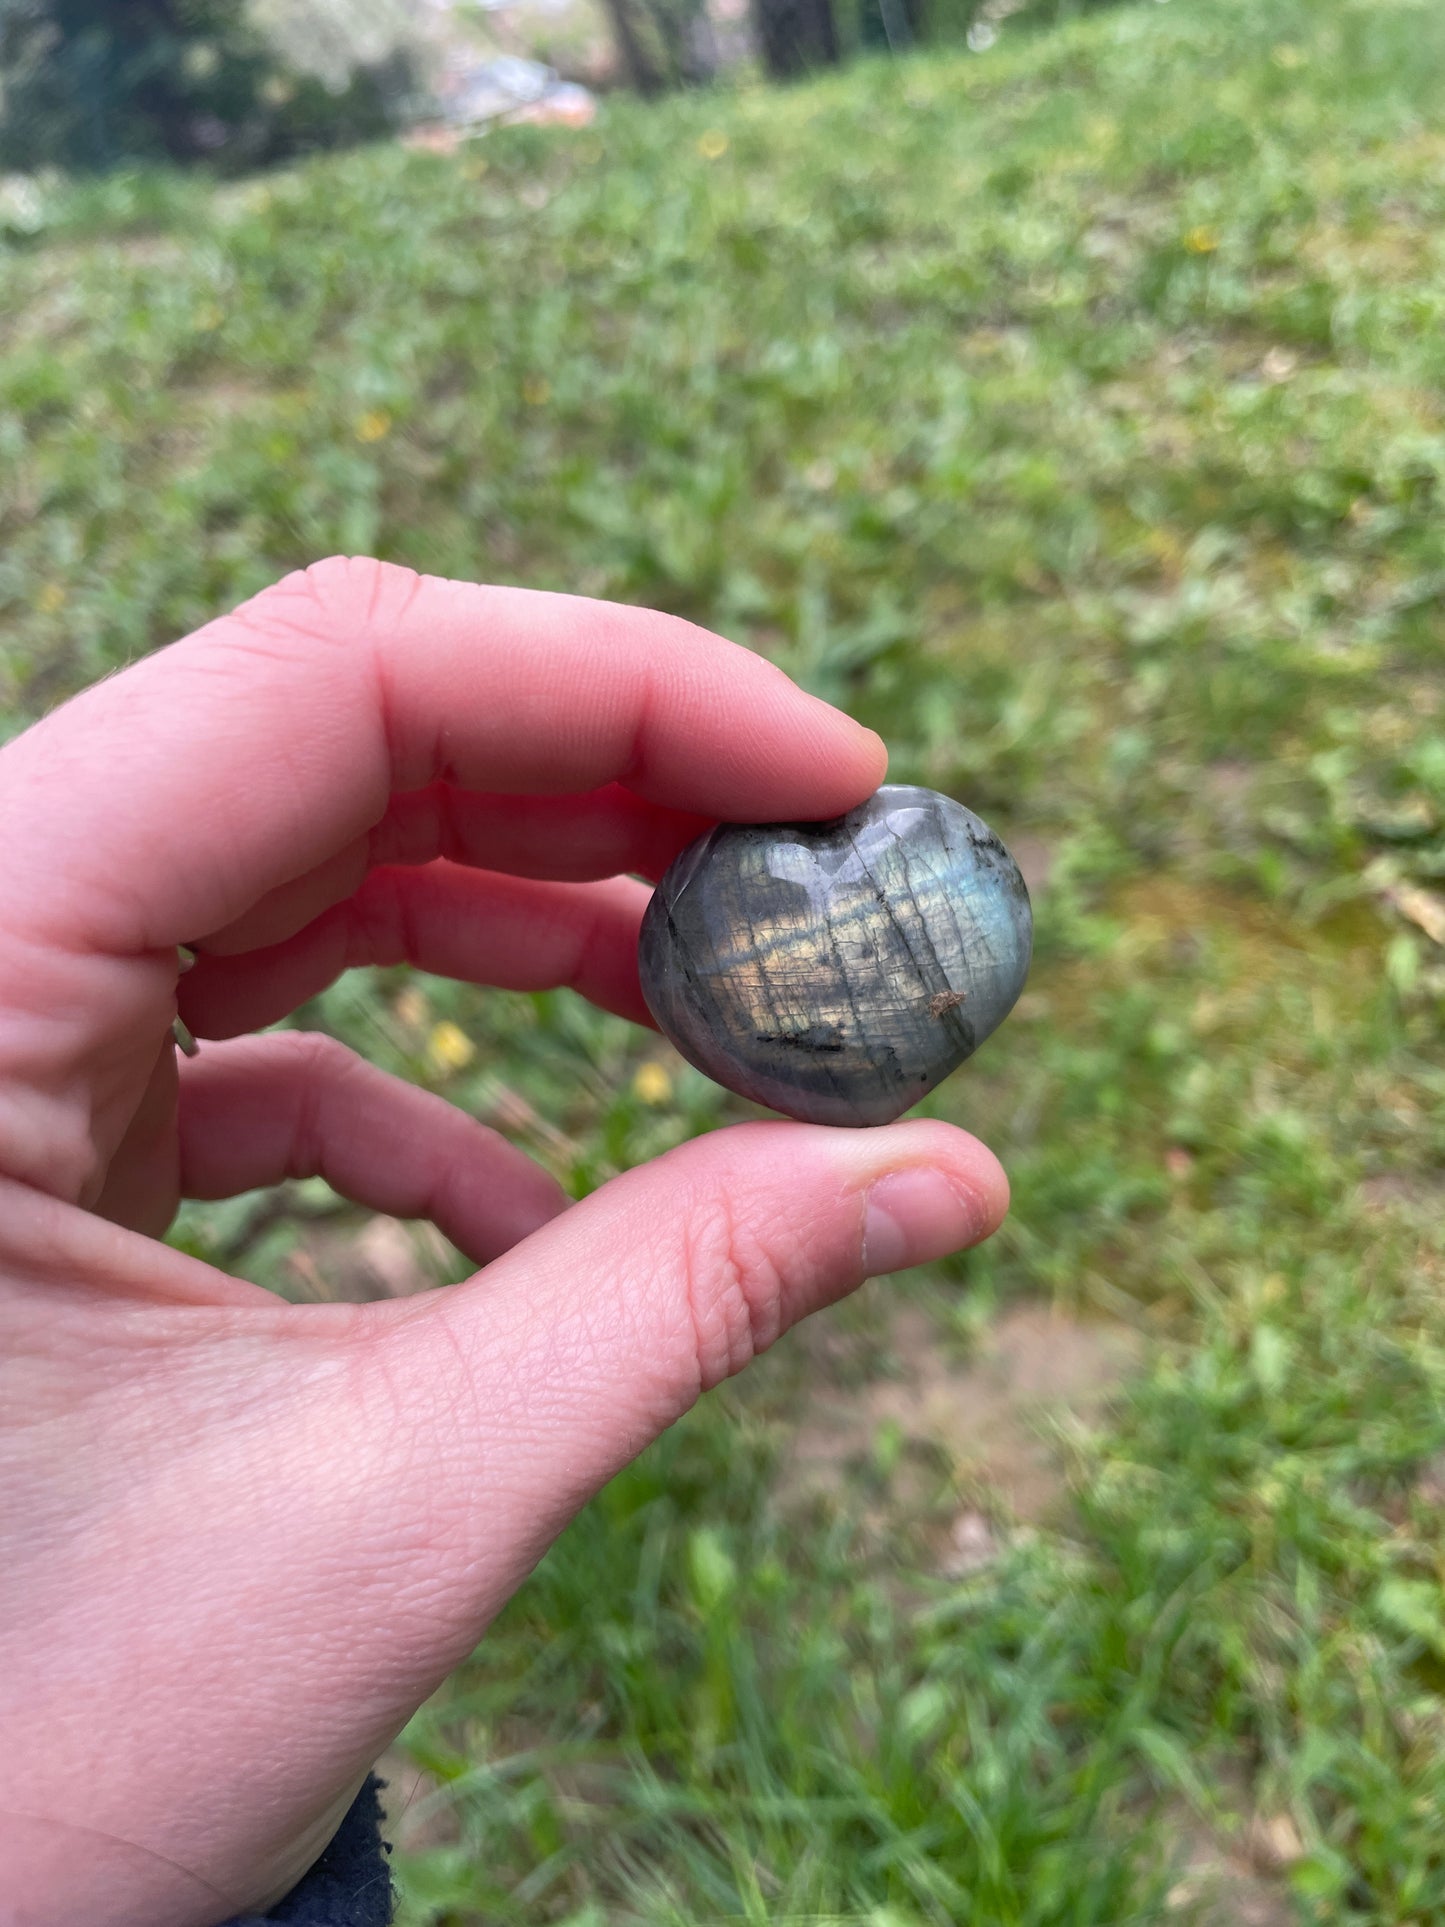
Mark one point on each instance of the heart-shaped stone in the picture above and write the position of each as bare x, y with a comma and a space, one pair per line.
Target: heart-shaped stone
837, 971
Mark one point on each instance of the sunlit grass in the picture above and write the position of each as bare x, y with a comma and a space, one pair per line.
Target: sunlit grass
1073, 414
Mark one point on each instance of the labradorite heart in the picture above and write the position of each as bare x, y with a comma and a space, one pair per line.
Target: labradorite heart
837, 971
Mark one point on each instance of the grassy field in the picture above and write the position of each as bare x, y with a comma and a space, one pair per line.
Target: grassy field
1073, 414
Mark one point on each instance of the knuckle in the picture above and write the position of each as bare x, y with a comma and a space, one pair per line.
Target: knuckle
733, 1280
380, 929
320, 1064
321, 1056
348, 585
338, 599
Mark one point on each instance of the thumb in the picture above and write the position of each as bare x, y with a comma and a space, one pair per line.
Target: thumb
338, 1498
577, 1348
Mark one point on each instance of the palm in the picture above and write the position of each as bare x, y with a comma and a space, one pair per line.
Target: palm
260, 1533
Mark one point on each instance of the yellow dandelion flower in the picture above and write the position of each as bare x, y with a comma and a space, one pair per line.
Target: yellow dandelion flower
1202, 240
51, 599
536, 392
449, 1047
373, 425
713, 144
652, 1085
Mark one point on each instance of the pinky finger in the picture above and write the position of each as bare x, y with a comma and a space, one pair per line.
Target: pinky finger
298, 1104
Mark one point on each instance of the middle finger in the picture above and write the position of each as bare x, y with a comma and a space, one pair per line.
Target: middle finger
481, 927
606, 832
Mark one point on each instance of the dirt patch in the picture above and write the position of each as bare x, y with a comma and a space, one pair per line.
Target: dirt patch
1229, 783
381, 1258
1233, 1874
1035, 858
1412, 1193
989, 1416
416, 1813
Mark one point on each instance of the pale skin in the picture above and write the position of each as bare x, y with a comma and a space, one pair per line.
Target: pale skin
240, 1540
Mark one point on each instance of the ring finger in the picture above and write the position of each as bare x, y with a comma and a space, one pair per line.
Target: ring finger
298, 1105
605, 833
479, 926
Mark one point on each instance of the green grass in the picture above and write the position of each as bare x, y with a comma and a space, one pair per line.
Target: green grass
1072, 414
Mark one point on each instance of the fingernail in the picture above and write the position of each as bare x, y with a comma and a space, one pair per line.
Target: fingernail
913, 1216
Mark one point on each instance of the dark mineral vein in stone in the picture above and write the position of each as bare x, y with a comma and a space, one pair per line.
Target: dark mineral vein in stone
837, 971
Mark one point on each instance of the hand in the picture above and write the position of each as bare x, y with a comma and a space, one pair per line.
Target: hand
243, 1540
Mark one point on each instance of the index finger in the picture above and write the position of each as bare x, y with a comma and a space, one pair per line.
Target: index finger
161, 803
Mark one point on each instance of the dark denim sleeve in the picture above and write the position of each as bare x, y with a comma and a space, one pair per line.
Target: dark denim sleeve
350, 1885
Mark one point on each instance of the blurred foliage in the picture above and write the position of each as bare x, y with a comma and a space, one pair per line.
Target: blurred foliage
1072, 414
90, 84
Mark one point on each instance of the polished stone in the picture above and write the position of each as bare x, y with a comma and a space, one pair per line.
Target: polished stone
837, 971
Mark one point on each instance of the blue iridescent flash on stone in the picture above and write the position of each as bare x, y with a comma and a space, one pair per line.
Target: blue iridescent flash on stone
838, 971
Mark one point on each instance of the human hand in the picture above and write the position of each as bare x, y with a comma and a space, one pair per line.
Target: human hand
243, 1540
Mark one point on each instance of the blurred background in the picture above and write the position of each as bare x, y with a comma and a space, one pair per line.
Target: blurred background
1060, 390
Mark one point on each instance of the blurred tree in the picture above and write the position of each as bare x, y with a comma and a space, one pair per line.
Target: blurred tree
91, 83
633, 55
796, 36
894, 24
663, 43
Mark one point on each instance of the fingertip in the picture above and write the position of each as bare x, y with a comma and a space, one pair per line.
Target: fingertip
976, 1170
539, 1195
863, 763
877, 751
536, 1200
930, 1189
